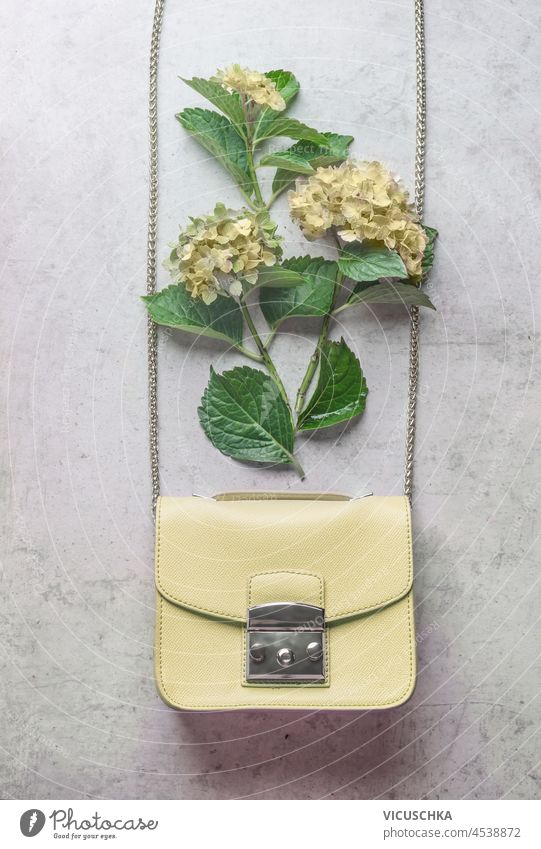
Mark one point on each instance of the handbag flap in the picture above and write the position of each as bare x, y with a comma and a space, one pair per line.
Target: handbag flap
209, 551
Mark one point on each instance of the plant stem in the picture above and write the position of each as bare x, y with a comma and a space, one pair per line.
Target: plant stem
251, 169
250, 151
270, 337
312, 365
265, 356
275, 195
249, 201
316, 356
251, 354
297, 466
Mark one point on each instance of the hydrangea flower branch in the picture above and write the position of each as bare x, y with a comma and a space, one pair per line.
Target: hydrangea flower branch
222, 260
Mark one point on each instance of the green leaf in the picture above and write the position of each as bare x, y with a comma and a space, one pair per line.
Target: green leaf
288, 86
333, 152
175, 307
288, 161
289, 127
245, 417
217, 134
428, 257
341, 389
387, 292
312, 298
279, 275
270, 124
227, 103
370, 261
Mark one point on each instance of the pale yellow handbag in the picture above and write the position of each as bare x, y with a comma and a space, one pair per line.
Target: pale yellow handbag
283, 600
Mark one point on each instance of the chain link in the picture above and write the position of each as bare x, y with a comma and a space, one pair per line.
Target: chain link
152, 336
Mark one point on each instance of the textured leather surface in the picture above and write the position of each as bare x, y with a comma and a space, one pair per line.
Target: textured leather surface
215, 558
286, 586
207, 551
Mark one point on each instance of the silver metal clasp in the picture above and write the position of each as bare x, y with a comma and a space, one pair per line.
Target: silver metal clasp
285, 642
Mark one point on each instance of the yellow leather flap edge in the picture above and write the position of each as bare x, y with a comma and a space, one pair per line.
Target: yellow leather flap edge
207, 551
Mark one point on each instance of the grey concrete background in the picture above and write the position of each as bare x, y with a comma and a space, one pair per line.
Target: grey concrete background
80, 715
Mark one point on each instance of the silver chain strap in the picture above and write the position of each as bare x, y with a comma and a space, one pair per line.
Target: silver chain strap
420, 140
152, 328
420, 137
